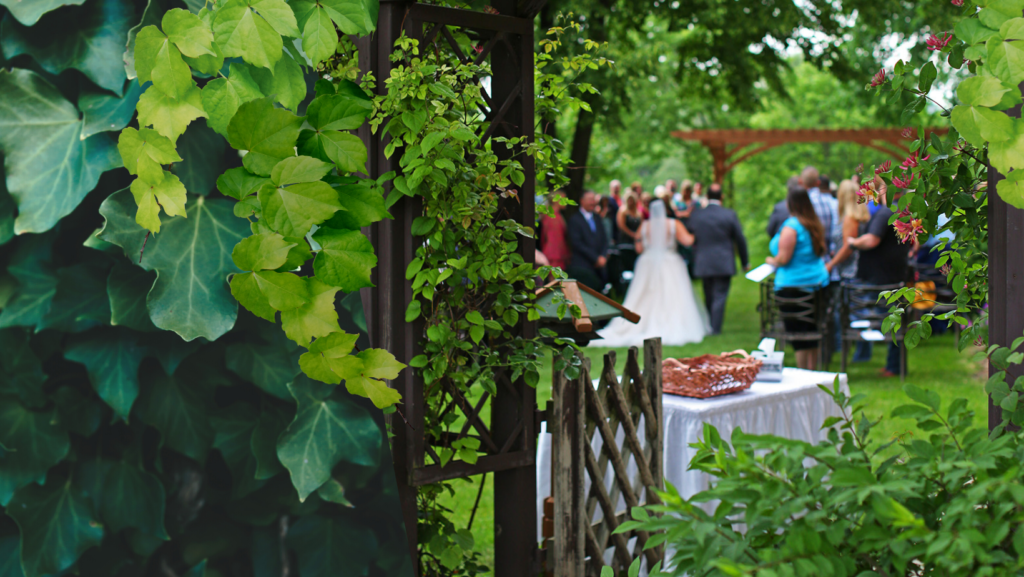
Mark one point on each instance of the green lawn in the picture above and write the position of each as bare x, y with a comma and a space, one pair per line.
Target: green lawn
935, 365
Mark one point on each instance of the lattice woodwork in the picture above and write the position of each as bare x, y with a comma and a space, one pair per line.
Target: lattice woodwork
585, 417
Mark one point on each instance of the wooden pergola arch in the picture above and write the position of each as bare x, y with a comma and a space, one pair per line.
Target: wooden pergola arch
731, 146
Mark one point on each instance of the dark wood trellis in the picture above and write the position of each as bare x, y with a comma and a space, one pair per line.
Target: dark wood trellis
580, 414
508, 445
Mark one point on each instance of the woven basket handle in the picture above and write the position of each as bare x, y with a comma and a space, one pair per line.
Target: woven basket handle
739, 352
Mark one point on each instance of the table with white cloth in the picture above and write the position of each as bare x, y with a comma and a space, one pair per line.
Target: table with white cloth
794, 408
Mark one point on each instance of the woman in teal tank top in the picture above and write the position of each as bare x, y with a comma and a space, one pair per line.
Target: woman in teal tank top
797, 251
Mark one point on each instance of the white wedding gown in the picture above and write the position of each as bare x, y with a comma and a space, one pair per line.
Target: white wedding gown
661, 293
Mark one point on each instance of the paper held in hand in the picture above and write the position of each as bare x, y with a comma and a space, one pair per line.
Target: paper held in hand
760, 273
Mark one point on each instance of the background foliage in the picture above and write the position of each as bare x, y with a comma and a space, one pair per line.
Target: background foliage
147, 424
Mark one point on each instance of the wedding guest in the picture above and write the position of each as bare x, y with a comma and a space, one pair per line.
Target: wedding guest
882, 260
827, 209
645, 204
553, 241
588, 243
719, 236
686, 208
779, 212
698, 195
852, 215
797, 250
629, 219
605, 214
614, 204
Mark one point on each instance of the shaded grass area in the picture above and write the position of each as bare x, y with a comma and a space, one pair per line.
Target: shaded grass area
934, 365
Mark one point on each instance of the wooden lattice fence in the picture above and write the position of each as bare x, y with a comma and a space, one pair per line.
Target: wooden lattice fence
607, 444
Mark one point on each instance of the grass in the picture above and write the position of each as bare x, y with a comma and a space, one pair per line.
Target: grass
934, 365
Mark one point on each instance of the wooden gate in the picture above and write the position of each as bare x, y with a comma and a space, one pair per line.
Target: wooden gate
609, 437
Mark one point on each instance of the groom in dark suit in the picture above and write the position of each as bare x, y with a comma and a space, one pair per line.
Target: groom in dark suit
719, 236
589, 244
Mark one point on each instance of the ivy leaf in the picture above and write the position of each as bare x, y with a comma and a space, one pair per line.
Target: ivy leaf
194, 300
34, 443
1006, 52
299, 169
361, 373
31, 266
315, 319
981, 91
319, 38
105, 113
337, 112
293, 210
80, 302
327, 429
267, 360
357, 17
283, 290
112, 358
90, 39
57, 524
981, 125
343, 149
285, 82
248, 294
997, 12
266, 251
144, 152
127, 288
192, 36
331, 546
238, 183
10, 563
171, 405
1011, 189
170, 116
234, 430
267, 133
159, 61
49, 167
241, 32
273, 421
363, 205
28, 13
209, 64
324, 353
150, 17
971, 31
169, 194
333, 492
21, 372
131, 497
203, 150
1009, 155
345, 258
223, 96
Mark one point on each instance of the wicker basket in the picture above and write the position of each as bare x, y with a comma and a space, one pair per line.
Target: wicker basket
709, 375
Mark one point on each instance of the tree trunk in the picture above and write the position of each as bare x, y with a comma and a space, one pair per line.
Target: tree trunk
581, 148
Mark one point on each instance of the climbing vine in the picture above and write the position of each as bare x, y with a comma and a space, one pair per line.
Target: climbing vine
470, 282
148, 424
945, 178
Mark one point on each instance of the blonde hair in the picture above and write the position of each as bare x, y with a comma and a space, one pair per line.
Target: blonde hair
848, 205
632, 198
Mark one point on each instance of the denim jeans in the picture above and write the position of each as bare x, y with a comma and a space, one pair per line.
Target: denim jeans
892, 357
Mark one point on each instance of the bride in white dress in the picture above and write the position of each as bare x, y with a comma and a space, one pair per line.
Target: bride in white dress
661, 292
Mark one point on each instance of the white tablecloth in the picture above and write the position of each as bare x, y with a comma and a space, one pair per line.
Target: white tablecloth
794, 408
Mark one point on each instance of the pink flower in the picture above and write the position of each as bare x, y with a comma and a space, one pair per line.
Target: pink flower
867, 192
912, 161
908, 133
899, 182
958, 2
907, 231
491, 10
478, 49
946, 269
878, 79
936, 43
884, 167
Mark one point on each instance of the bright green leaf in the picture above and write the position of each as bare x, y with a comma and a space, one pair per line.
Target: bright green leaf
337, 112
238, 183
345, 259
267, 251
299, 169
318, 318
192, 36
285, 82
159, 61
168, 194
223, 96
170, 116
293, 210
267, 133
343, 149
241, 32
144, 151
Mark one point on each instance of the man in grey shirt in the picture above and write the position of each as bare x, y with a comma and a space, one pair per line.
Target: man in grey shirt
827, 209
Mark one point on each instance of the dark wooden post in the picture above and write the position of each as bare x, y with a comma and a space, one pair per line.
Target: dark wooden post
385, 303
1005, 275
568, 473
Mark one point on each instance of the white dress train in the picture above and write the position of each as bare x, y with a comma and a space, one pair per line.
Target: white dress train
660, 292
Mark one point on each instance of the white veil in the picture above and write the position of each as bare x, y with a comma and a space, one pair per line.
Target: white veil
656, 237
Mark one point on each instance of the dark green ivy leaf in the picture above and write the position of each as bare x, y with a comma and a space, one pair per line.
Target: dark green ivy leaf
21, 372
331, 547
273, 421
78, 413
37, 282
103, 112
112, 357
235, 427
10, 563
127, 288
89, 38
203, 152
34, 443
81, 301
328, 428
267, 359
57, 523
173, 406
194, 300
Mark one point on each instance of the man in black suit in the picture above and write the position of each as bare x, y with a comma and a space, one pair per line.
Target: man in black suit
589, 244
718, 237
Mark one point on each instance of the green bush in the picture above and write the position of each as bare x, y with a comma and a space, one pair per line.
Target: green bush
948, 504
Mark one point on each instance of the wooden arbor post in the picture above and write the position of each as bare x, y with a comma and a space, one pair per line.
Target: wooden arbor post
509, 443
